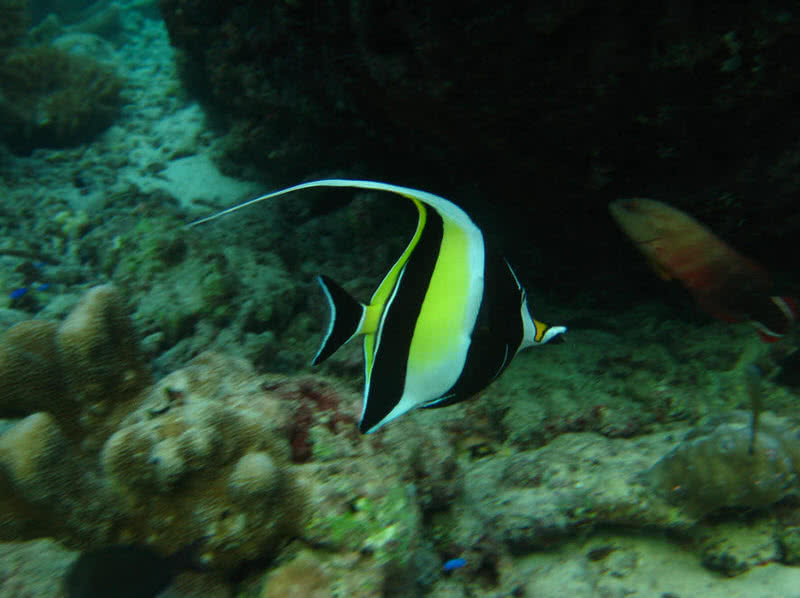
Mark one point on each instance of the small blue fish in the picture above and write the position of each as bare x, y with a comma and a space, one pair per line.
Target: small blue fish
18, 293
454, 564
43, 287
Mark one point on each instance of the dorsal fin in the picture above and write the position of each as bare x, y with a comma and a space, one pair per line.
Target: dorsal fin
445, 207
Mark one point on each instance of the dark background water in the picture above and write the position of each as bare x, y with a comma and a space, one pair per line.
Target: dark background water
534, 116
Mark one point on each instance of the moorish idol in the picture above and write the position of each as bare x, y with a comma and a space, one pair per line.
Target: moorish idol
723, 282
444, 322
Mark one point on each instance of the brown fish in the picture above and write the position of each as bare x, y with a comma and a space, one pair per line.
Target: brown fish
725, 283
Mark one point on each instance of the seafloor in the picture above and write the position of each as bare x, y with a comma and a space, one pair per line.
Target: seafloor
156, 390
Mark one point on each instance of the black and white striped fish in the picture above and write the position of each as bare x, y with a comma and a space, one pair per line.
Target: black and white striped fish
446, 320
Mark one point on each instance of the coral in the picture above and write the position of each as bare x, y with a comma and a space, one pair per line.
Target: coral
206, 455
361, 504
713, 467
98, 347
323, 422
255, 476
33, 446
319, 574
29, 569
53, 99
30, 371
192, 296
74, 381
203, 454
42, 487
79, 369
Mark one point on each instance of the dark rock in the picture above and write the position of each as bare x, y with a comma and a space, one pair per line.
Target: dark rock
548, 111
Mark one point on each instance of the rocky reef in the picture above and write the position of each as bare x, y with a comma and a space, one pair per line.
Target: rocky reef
618, 429
213, 452
262, 466
718, 466
172, 406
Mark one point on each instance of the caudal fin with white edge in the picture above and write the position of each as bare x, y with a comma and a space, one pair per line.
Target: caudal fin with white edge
346, 317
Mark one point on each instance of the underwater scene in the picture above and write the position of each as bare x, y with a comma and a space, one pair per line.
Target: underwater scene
305, 299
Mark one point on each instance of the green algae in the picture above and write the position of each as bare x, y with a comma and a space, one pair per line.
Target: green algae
384, 526
151, 247
789, 540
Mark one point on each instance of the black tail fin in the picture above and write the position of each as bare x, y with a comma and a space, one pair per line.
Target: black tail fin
346, 317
